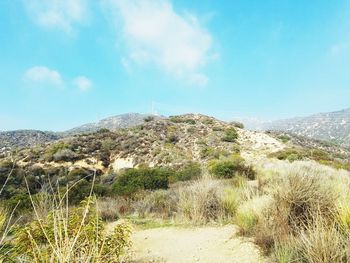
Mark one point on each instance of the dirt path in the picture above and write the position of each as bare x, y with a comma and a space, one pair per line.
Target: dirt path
205, 244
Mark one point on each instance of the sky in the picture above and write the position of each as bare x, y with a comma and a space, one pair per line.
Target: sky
64, 63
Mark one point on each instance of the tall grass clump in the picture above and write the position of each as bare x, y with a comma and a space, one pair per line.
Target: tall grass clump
71, 235
60, 233
199, 202
308, 217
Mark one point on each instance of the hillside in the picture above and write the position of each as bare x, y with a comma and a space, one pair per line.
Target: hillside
126, 120
168, 142
26, 138
332, 126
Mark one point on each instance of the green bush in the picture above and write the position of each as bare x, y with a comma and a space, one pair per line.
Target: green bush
82, 189
148, 118
229, 167
231, 135
178, 119
189, 171
53, 149
284, 138
133, 180
288, 154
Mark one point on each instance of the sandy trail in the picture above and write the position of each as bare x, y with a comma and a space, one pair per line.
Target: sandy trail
204, 244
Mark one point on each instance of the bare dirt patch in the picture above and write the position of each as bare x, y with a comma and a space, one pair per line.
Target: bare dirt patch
202, 244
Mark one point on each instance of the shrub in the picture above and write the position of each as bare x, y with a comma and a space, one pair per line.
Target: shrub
172, 138
322, 242
302, 196
249, 213
65, 155
229, 167
162, 203
133, 180
53, 149
187, 172
82, 189
212, 153
199, 202
230, 200
237, 124
148, 118
231, 135
179, 119
284, 138
71, 235
288, 154
285, 253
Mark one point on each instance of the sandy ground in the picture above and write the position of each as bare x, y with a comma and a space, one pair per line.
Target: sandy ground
205, 244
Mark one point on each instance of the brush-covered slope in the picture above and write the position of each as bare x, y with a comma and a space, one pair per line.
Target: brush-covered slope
112, 123
26, 138
332, 126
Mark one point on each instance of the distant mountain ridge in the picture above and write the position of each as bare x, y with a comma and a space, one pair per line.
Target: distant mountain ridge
112, 123
26, 138
330, 126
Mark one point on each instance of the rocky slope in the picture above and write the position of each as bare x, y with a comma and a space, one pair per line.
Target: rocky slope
26, 138
332, 126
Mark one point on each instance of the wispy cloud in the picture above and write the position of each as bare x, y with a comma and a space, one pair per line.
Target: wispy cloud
82, 83
154, 33
57, 14
42, 74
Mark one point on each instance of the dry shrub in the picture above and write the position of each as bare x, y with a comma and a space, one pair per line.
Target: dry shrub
300, 197
251, 212
111, 209
200, 203
160, 203
321, 242
309, 216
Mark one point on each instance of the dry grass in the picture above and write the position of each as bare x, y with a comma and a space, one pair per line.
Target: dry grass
308, 218
321, 242
200, 201
111, 209
160, 203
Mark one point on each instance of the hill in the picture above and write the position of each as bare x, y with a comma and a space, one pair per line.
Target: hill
332, 126
112, 123
26, 138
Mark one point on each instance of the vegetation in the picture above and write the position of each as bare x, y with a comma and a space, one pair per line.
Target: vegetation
303, 219
231, 167
71, 235
231, 135
320, 156
178, 119
133, 180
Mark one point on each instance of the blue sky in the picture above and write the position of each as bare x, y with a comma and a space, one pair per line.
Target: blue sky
64, 63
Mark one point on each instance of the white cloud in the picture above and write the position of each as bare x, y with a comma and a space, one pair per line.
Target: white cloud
42, 74
83, 83
155, 34
58, 14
